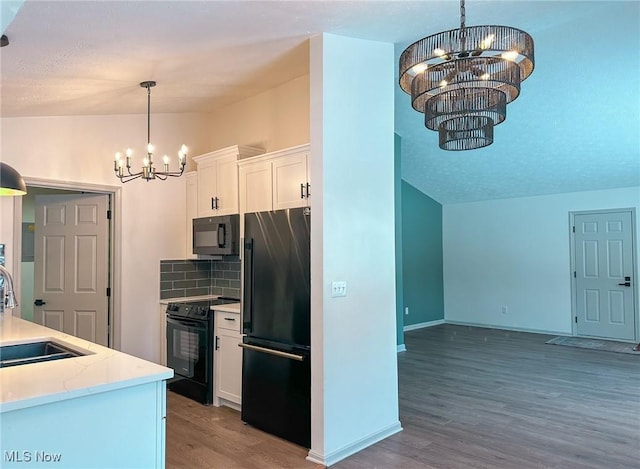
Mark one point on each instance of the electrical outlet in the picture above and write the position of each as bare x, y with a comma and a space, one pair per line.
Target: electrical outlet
504, 310
406, 311
338, 289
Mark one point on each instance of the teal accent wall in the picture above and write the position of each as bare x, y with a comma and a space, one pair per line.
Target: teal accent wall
422, 284
398, 212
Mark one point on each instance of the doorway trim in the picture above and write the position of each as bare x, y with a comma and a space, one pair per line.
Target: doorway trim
634, 261
115, 300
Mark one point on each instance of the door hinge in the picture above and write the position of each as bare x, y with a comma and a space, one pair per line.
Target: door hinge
574, 274
108, 214
576, 319
574, 229
108, 291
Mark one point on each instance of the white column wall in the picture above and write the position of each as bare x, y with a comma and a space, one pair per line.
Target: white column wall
516, 253
151, 220
354, 362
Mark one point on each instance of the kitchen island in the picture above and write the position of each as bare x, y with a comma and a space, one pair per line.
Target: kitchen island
102, 409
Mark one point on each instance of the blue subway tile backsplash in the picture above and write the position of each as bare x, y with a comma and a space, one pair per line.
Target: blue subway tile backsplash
196, 277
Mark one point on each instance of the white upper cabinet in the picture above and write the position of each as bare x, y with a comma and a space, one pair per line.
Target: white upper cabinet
192, 210
275, 180
255, 186
218, 180
291, 182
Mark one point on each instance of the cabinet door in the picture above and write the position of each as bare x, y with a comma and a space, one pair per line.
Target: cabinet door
191, 212
227, 185
163, 334
207, 189
229, 366
255, 187
290, 182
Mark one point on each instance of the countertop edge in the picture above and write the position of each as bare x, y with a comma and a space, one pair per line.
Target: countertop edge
102, 369
83, 392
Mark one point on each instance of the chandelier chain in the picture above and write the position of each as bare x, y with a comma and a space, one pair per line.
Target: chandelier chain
463, 16
148, 114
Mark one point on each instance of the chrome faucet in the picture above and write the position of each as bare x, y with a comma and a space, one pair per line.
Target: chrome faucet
9, 301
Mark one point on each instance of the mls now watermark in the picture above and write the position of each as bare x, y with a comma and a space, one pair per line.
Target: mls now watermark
31, 456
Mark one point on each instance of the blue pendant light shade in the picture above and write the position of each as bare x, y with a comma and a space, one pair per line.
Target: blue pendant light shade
11, 183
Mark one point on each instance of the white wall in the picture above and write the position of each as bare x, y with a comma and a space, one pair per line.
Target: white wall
151, 222
354, 361
516, 253
273, 120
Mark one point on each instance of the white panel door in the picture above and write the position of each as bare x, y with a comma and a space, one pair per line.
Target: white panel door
604, 275
70, 269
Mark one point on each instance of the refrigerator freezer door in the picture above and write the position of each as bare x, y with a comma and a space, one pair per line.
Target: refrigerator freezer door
277, 276
276, 390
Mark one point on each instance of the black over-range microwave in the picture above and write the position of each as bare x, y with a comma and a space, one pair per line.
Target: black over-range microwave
216, 236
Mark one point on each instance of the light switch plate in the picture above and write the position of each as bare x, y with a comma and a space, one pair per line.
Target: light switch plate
338, 289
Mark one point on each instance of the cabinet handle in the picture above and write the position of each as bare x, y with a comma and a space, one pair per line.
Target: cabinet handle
217, 204
229, 319
302, 191
308, 191
213, 207
217, 342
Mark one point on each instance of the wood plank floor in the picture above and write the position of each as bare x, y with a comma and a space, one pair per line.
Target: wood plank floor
469, 398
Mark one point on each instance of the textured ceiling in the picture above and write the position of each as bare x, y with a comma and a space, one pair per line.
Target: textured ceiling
575, 126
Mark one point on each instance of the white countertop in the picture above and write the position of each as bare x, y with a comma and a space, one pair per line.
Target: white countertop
104, 369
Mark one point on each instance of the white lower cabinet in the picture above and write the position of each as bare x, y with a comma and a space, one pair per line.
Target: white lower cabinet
228, 360
121, 428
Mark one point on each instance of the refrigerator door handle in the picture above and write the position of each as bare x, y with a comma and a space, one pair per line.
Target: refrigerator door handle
270, 351
247, 292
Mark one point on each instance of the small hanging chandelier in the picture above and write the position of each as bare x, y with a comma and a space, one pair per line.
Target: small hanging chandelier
148, 170
463, 79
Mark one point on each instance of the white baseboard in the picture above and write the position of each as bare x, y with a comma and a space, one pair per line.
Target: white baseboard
421, 325
401, 348
507, 328
348, 450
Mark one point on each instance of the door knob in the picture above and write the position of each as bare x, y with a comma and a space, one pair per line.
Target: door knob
625, 284
39, 302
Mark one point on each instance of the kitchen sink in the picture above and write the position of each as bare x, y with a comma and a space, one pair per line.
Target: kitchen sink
35, 352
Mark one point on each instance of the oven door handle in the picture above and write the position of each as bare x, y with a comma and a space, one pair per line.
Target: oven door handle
187, 322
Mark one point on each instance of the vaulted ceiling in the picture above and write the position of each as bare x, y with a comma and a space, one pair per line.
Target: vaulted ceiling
575, 126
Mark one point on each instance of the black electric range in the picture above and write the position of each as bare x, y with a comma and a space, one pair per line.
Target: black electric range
190, 347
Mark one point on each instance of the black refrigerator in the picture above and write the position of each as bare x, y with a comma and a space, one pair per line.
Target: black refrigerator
276, 365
